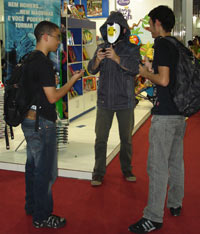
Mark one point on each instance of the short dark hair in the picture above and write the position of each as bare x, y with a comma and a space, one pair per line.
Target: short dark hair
190, 43
44, 27
165, 15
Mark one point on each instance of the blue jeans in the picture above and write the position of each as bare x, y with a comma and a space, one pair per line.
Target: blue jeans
104, 120
41, 167
165, 165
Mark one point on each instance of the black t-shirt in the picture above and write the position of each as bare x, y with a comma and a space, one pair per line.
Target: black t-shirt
41, 74
165, 54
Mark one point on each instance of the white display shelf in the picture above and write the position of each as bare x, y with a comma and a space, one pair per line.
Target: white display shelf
74, 42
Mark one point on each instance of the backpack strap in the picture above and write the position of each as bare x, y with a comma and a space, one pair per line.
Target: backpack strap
37, 120
6, 137
173, 40
32, 56
37, 114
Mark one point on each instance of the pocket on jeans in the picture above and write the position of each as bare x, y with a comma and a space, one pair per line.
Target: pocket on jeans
49, 125
46, 124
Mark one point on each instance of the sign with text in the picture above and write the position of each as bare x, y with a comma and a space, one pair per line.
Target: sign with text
123, 6
21, 17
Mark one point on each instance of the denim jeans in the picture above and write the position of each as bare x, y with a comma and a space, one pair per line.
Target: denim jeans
165, 165
41, 167
104, 120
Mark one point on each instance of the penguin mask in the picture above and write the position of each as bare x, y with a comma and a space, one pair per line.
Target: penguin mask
113, 32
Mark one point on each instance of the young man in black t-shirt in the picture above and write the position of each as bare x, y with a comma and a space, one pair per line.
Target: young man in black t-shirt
41, 164
165, 158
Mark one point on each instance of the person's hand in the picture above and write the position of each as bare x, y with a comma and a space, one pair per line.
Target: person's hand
148, 64
143, 70
110, 53
100, 54
78, 74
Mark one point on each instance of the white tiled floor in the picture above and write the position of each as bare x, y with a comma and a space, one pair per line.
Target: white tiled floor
75, 159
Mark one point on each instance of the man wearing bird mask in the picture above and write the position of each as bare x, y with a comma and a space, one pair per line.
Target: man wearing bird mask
117, 60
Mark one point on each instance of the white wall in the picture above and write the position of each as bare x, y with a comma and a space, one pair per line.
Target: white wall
187, 19
196, 31
1, 7
139, 9
1, 19
196, 26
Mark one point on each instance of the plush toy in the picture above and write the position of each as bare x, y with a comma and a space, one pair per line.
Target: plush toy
147, 50
134, 37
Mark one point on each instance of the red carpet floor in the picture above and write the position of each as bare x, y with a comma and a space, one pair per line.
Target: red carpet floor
109, 209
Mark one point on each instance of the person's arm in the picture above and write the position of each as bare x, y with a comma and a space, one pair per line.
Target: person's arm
100, 56
163, 58
162, 78
93, 65
53, 94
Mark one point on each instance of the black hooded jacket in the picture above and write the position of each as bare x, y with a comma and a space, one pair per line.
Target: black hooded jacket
116, 88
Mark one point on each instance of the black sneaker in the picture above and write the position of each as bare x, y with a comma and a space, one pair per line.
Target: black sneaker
144, 225
53, 221
129, 176
175, 211
97, 180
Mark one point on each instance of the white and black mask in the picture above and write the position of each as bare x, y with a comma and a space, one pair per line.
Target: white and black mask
113, 32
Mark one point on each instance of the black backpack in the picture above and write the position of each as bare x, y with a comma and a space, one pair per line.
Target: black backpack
186, 89
17, 101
